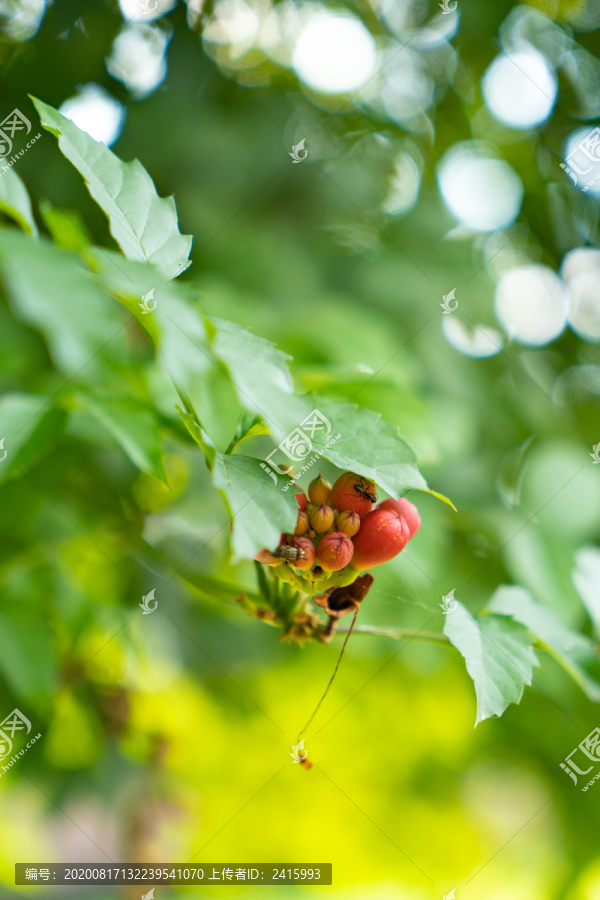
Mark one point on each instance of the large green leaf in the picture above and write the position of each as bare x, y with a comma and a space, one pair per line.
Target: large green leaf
49, 289
575, 652
134, 426
367, 445
261, 511
359, 439
15, 202
498, 655
175, 323
29, 428
143, 224
259, 374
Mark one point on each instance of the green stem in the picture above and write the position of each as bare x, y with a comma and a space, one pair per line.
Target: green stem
399, 633
337, 665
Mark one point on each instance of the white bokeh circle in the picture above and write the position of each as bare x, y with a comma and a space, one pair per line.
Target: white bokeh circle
96, 112
334, 53
531, 304
520, 88
480, 190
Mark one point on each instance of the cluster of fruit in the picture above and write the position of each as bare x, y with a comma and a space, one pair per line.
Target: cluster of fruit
340, 530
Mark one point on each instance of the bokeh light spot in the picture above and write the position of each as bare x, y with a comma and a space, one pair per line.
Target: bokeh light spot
480, 190
96, 112
334, 53
520, 88
531, 304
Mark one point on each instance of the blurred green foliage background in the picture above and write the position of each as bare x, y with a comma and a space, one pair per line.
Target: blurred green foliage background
166, 737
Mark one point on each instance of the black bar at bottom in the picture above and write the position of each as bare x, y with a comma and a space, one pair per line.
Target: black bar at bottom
172, 873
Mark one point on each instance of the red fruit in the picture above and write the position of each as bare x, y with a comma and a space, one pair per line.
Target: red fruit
302, 524
301, 500
348, 522
407, 510
267, 559
321, 518
318, 490
383, 534
334, 551
303, 543
349, 491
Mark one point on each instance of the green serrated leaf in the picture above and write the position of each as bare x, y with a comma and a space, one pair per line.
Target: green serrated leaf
29, 428
359, 439
15, 202
575, 652
259, 374
260, 510
498, 655
143, 224
200, 436
134, 427
367, 445
175, 323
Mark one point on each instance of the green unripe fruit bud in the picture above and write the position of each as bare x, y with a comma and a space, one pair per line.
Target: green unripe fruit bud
318, 490
348, 522
321, 518
302, 524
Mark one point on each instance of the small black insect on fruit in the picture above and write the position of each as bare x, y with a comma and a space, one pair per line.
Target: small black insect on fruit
363, 493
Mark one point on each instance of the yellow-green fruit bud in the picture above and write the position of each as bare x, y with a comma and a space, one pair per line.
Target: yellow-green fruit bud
318, 490
302, 524
321, 518
348, 522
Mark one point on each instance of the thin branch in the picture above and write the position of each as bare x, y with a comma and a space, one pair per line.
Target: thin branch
400, 633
